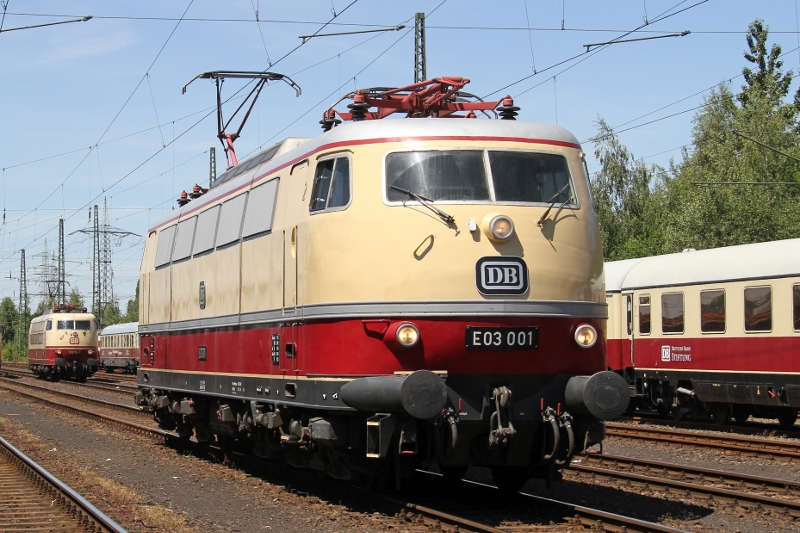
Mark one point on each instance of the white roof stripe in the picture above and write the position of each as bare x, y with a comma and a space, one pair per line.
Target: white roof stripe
747, 261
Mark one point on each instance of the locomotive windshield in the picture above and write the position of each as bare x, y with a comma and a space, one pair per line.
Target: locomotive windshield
84, 325
475, 175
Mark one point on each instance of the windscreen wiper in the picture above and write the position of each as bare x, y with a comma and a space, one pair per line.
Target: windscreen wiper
428, 203
553, 201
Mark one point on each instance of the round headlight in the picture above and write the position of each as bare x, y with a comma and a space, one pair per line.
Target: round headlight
502, 228
407, 335
585, 336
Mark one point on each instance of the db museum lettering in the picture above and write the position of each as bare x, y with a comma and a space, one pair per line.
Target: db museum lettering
501, 275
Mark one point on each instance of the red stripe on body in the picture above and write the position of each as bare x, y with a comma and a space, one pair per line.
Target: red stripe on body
346, 348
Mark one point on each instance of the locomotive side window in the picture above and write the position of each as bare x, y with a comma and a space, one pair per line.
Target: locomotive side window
183, 239
712, 311
437, 175
672, 312
260, 209
331, 184
230, 220
206, 230
758, 309
530, 177
796, 305
164, 250
644, 315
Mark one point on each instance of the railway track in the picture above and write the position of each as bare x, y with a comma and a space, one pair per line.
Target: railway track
737, 443
32, 499
21, 388
774, 494
117, 389
425, 515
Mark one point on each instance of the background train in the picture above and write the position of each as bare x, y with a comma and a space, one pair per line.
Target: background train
709, 331
392, 294
118, 348
62, 343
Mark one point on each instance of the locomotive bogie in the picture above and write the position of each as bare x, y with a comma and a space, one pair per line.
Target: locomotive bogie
719, 338
327, 319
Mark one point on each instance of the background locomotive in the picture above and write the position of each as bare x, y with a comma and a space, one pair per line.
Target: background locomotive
392, 294
62, 343
714, 331
118, 347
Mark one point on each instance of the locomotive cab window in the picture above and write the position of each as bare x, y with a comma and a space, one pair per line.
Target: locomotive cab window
66, 324
49, 325
503, 176
672, 312
644, 315
796, 305
83, 325
712, 311
331, 187
758, 309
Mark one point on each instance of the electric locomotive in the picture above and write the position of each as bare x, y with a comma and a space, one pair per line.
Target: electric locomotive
393, 294
709, 332
62, 343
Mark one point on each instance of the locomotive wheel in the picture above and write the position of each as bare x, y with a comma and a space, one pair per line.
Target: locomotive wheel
509, 479
787, 417
720, 414
741, 413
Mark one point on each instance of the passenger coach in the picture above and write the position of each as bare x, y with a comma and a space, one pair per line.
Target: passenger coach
395, 292
710, 330
118, 347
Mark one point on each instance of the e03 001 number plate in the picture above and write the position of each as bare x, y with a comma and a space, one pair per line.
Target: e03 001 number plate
494, 338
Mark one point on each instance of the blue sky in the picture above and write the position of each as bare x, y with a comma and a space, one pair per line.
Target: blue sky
94, 109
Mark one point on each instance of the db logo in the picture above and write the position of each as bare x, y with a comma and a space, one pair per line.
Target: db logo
73, 339
665, 354
501, 275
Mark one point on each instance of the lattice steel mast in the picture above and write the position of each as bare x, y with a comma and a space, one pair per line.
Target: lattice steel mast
62, 275
419, 48
23, 302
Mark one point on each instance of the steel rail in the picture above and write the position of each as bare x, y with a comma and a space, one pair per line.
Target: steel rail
738, 443
99, 386
685, 485
92, 514
96, 401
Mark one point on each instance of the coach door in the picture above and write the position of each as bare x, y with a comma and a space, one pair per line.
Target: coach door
627, 302
289, 328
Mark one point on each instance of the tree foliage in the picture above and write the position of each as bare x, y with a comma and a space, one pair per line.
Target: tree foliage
737, 184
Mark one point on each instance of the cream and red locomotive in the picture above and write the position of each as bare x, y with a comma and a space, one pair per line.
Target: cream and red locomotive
118, 347
400, 292
62, 343
713, 332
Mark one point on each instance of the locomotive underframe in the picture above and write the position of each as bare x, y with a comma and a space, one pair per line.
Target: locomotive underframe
305, 421
718, 394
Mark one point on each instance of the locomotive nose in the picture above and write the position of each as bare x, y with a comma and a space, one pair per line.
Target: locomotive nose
604, 395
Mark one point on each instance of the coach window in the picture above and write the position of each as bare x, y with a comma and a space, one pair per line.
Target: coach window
644, 315
331, 187
183, 239
230, 220
164, 250
206, 230
672, 312
796, 305
260, 209
758, 309
712, 311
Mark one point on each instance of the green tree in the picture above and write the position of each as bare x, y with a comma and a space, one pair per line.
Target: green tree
75, 299
727, 190
111, 314
133, 307
627, 195
9, 318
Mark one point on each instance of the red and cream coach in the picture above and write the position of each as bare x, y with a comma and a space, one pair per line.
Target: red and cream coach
118, 347
710, 330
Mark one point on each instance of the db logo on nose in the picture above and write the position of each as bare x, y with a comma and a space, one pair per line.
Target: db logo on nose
501, 275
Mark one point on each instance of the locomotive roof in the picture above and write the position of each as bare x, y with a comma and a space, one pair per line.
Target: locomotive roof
62, 315
127, 327
761, 260
294, 150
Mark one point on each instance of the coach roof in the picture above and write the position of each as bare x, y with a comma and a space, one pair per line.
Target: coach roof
127, 327
772, 259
